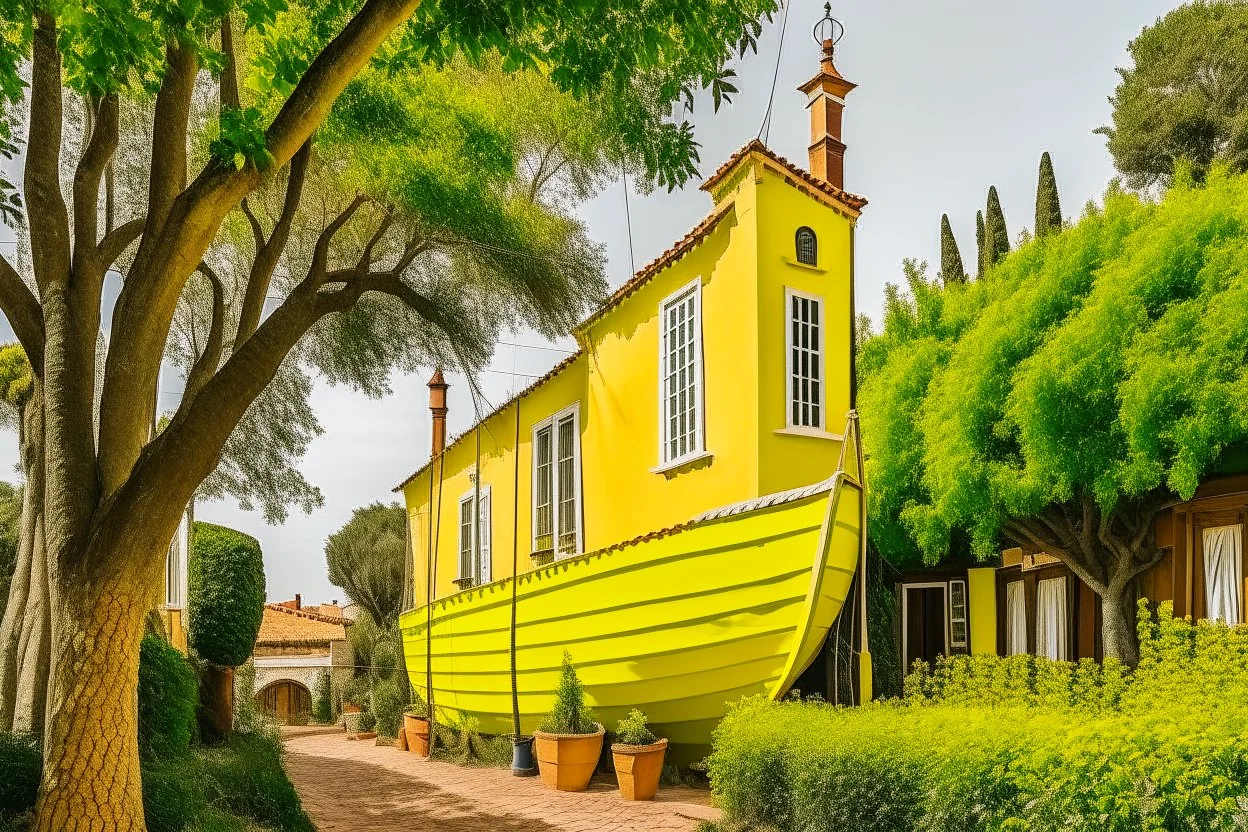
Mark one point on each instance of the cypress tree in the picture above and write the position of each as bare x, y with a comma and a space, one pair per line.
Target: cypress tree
951, 270
996, 236
1048, 207
980, 240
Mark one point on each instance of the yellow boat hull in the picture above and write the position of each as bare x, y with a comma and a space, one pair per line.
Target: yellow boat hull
678, 624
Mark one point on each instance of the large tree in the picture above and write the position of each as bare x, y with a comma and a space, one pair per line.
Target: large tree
437, 248
951, 270
1059, 407
1184, 98
367, 557
996, 235
1048, 205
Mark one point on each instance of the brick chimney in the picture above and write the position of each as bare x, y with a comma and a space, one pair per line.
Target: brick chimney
437, 407
825, 98
298, 601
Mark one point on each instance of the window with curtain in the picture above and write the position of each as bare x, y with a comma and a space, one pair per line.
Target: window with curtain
465, 538
557, 484
1051, 619
1224, 578
805, 360
807, 247
1015, 619
680, 359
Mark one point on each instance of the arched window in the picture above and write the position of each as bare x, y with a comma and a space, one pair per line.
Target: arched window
807, 247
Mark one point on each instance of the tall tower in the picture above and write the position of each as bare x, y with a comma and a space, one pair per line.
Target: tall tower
825, 98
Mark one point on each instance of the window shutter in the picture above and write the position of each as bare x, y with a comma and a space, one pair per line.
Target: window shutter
484, 533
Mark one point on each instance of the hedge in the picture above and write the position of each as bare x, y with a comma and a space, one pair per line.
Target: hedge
167, 699
225, 602
1008, 744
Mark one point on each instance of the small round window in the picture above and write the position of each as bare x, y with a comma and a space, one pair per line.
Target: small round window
807, 247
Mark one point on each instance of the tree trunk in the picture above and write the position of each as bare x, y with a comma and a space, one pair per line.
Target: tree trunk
34, 647
1118, 635
216, 702
91, 757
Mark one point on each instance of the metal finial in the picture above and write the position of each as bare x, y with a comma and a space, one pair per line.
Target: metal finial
828, 28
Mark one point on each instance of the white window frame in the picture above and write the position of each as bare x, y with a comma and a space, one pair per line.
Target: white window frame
177, 565
552, 422
789, 294
964, 619
480, 566
698, 446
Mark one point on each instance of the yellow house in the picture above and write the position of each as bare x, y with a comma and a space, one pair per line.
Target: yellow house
719, 373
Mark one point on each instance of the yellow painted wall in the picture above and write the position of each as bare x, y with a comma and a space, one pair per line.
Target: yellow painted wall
981, 592
743, 267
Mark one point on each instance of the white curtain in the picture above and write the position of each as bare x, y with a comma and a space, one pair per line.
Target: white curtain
1015, 619
1051, 619
1223, 546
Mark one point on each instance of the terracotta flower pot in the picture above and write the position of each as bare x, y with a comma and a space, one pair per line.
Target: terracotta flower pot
417, 730
567, 761
351, 709
638, 767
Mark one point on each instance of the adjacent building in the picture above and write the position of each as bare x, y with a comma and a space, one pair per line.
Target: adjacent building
297, 645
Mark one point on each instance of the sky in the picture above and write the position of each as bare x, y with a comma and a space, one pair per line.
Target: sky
953, 96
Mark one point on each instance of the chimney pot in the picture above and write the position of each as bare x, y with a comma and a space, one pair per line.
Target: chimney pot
298, 601
437, 409
825, 94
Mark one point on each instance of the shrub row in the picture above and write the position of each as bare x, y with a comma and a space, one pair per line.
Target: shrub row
1009, 744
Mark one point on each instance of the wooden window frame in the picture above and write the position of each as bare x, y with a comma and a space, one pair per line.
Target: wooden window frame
552, 422
905, 614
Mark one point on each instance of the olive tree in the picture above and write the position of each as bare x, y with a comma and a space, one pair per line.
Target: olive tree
438, 250
1097, 378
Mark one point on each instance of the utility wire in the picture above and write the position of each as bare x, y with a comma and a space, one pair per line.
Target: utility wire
628, 222
764, 129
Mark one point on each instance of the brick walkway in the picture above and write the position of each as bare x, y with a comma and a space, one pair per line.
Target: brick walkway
350, 786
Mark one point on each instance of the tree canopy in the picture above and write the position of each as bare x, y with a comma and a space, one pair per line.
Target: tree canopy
951, 269
1183, 100
1098, 375
225, 594
367, 556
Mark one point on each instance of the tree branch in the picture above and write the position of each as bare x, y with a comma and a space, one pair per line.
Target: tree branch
87, 178
169, 131
269, 253
229, 72
49, 228
210, 359
24, 313
119, 239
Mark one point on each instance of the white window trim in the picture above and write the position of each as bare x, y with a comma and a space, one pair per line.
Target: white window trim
699, 449
575, 411
179, 549
459, 536
476, 498
789, 294
954, 644
905, 611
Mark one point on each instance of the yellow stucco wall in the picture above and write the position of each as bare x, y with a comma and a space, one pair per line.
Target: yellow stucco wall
743, 267
981, 591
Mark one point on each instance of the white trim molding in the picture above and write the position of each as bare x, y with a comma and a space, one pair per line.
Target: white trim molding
552, 424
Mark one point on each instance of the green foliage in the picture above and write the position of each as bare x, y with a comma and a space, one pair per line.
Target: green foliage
1107, 359
981, 248
173, 793
366, 557
245, 777
996, 235
1048, 206
1009, 744
570, 715
322, 701
225, 601
21, 766
10, 535
16, 381
368, 721
247, 717
356, 691
388, 701
167, 699
461, 742
951, 270
1183, 101
632, 730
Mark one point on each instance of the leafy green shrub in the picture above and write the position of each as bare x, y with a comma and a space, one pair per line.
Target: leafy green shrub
357, 691
225, 598
245, 777
322, 701
1009, 745
167, 699
570, 715
21, 765
632, 730
173, 793
461, 742
418, 706
388, 704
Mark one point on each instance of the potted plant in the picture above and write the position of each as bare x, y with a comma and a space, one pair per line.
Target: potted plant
569, 741
638, 757
416, 727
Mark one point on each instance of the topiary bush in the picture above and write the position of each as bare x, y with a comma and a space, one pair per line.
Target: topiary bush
1009, 744
225, 601
570, 715
322, 701
167, 699
21, 765
388, 704
632, 730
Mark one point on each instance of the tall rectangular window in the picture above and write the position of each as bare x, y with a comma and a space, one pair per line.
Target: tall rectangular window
957, 615
1051, 638
465, 538
680, 375
1015, 619
1224, 555
805, 360
474, 536
175, 567
557, 484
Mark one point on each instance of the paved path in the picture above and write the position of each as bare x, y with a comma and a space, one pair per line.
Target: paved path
356, 786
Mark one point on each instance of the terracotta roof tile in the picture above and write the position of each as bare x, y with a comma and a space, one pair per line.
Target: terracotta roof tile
851, 201
283, 625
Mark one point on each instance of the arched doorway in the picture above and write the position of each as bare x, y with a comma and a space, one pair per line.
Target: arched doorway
287, 701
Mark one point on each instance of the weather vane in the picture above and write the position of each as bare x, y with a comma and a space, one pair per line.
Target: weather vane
828, 29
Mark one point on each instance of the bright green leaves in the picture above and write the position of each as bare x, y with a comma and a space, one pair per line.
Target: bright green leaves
241, 139
1106, 359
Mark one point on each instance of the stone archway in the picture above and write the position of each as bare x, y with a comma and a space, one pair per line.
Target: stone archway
287, 701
